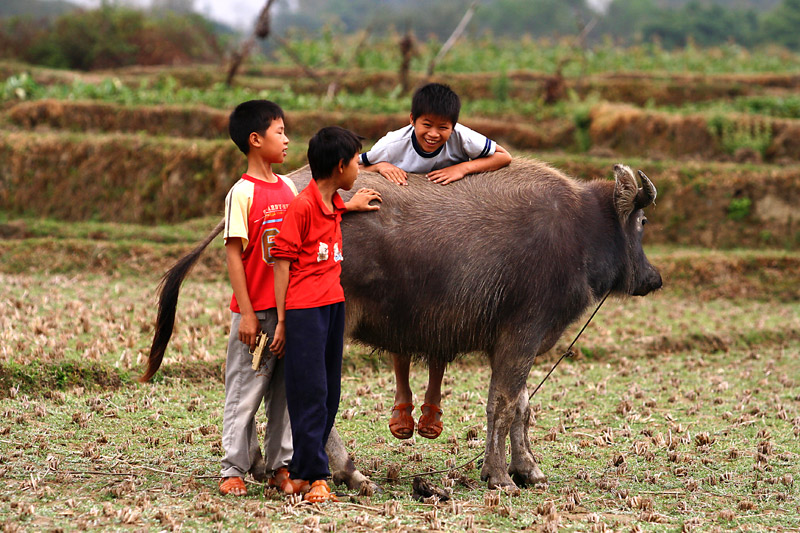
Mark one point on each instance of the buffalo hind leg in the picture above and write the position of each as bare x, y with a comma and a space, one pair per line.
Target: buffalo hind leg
523, 468
509, 372
342, 468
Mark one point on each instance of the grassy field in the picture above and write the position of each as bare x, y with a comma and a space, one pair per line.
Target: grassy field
680, 412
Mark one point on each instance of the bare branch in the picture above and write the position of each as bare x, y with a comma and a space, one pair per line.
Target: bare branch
453, 37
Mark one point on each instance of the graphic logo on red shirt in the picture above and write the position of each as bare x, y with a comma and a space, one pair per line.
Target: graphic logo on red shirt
322, 253
272, 219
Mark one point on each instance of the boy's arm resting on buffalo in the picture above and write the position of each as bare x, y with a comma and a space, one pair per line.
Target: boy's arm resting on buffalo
388, 171
498, 159
281, 274
249, 326
361, 199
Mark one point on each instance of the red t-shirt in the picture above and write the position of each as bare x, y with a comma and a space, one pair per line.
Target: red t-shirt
311, 240
254, 211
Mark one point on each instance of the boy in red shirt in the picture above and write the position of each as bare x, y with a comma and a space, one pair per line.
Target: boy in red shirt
254, 210
310, 300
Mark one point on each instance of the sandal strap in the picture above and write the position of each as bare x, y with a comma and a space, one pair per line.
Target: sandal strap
432, 407
228, 484
278, 476
402, 406
320, 492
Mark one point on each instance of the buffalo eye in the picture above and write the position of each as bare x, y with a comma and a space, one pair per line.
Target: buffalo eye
644, 221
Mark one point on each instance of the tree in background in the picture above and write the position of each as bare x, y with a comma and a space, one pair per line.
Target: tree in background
783, 25
184, 7
703, 24
110, 37
543, 18
625, 21
113, 35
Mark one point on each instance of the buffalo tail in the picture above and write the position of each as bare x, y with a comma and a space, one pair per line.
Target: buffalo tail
168, 291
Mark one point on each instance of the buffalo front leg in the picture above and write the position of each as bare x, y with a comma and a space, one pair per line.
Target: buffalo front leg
508, 381
523, 468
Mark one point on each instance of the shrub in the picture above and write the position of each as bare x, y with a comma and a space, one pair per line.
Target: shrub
735, 134
108, 37
739, 208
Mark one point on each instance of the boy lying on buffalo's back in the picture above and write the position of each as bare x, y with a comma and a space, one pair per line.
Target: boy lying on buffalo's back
436, 145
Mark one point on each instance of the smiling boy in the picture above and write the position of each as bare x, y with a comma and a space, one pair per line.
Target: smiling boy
436, 145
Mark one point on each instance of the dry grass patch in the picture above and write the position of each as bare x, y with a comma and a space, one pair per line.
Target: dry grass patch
692, 436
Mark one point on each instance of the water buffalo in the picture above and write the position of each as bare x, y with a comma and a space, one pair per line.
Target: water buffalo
499, 263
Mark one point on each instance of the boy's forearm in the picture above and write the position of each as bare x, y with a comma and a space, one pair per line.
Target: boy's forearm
238, 278
281, 274
497, 160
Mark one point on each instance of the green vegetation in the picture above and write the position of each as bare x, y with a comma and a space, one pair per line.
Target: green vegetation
485, 54
783, 106
752, 135
739, 208
35, 228
674, 24
167, 90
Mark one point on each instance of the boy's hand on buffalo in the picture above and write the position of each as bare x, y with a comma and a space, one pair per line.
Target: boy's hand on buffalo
443, 176
249, 328
279, 340
361, 199
392, 173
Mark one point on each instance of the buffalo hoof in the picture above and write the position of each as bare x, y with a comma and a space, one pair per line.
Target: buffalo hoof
528, 477
500, 481
259, 469
357, 481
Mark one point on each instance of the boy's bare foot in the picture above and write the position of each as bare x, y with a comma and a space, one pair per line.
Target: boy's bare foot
430, 423
232, 485
401, 424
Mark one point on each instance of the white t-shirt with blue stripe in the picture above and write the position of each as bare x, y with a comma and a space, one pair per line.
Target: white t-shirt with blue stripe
400, 148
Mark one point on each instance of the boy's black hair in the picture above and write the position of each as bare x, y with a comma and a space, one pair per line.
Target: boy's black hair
436, 99
252, 116
328, 147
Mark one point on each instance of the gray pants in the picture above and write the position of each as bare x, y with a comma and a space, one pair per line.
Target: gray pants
245, 388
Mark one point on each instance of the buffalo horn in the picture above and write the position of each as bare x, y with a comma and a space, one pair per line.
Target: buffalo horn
647, 194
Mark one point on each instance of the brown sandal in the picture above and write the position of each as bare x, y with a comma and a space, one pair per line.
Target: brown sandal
430, 423
232, 485
320, 492
294, 486
402, 425
278, 476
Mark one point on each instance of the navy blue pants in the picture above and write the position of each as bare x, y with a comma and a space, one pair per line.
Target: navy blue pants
313, 370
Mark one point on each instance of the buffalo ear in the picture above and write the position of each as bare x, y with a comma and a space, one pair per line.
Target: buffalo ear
625, 190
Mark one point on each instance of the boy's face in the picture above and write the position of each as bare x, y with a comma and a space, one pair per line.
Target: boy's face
349, 173
273, 144
431, 131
